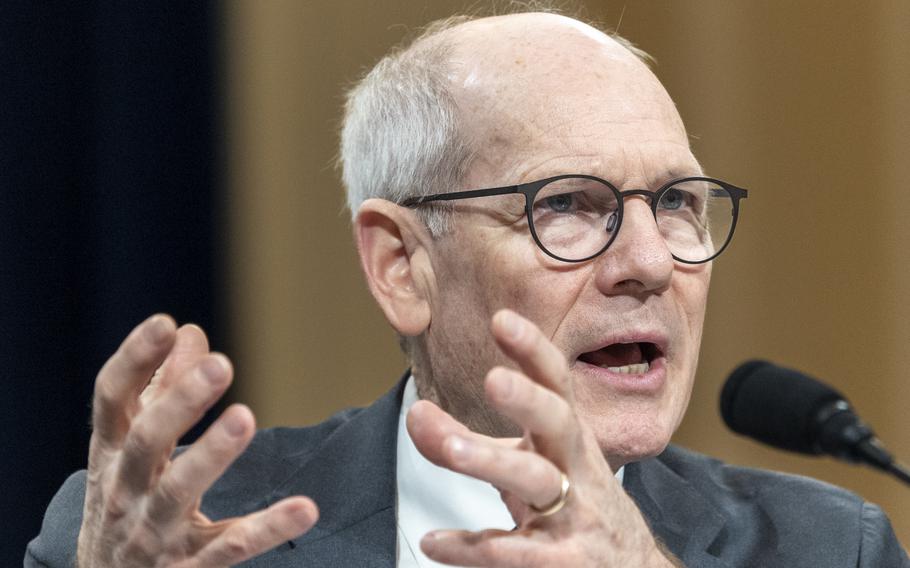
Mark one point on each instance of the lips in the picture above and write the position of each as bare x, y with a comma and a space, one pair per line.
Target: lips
633, 362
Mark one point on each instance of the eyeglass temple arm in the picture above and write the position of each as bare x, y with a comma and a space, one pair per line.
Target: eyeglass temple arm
470, 194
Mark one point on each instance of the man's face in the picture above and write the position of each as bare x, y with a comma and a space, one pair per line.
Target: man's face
543, 95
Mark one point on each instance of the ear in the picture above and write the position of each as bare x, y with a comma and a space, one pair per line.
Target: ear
391, 243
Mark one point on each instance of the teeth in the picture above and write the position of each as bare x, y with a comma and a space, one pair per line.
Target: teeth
638, 369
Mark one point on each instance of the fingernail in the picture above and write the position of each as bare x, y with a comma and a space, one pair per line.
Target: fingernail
459, 448
511, 324
234, 426
157, 329
212, 370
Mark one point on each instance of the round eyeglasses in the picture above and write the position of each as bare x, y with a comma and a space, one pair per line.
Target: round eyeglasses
574, 217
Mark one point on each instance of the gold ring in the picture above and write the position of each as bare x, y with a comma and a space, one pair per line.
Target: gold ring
557, 503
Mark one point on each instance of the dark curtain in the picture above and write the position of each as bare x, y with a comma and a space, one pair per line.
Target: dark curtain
109, 211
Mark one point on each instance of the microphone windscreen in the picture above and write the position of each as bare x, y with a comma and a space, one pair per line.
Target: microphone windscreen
775, 405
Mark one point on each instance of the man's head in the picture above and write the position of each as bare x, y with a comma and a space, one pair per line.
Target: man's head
520, 98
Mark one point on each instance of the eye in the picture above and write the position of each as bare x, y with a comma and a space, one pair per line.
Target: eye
673, 199
562, 203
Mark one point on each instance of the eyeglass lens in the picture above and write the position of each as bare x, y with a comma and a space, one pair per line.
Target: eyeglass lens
575, 218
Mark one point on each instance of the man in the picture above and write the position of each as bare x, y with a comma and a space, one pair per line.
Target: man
532, 222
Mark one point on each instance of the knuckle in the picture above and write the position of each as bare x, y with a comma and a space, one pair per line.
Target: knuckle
194, 391
539, 475
134, 354
106, 396
117, 505
141, 438
96, 473
193, 396
487, 549
237, 544
171, 492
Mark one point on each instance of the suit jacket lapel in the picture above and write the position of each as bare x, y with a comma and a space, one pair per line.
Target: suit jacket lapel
351, 477
678, 514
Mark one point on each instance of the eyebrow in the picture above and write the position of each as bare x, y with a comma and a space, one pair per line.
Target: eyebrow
675, 173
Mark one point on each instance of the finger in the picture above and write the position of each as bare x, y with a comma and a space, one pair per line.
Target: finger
503, 549
533, 407
196, 469
532, 478
124, 375
429, 426
545, 415
256, 533
190, 346
156, 429
432, 430
536, 355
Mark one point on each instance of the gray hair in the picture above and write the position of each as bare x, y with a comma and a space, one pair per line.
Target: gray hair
401, 136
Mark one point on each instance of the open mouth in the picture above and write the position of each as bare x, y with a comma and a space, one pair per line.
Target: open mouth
623, 358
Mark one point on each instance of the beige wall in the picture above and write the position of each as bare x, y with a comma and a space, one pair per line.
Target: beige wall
804, 103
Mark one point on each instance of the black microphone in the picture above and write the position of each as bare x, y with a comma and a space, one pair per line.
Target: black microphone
789, 410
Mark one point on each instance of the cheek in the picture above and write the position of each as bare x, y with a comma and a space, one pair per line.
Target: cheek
507, 270
539, 288
692, 290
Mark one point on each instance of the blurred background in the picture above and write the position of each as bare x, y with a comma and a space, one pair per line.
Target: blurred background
180, 158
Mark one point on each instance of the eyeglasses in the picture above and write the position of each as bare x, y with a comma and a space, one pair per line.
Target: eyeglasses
574, 218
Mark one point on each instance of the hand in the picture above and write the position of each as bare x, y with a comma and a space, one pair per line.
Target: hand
599, 524
141, 506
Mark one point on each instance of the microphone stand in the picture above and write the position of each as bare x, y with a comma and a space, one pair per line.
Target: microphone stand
899, 471
871, 451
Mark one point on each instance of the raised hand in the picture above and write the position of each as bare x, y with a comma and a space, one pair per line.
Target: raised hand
142, 506
569, 508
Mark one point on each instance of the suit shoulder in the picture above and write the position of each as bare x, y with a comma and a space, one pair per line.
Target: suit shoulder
273, 455
56, 544
718, 480
295, 443
793, 513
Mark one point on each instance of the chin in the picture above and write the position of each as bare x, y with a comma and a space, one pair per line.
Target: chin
627, 439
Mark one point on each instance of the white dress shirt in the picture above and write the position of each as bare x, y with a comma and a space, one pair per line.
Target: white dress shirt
431, 497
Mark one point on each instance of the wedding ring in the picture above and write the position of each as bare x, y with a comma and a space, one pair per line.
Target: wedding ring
557, 503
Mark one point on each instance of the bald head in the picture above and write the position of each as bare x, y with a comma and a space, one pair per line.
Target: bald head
521, 80
470, 90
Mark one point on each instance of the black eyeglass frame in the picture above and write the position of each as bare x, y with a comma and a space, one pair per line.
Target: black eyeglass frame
530, 189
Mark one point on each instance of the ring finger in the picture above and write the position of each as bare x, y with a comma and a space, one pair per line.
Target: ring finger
532, 478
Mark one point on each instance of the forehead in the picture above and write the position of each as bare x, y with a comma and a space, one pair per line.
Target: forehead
539, 94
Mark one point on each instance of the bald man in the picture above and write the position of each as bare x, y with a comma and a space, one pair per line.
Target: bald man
532, 222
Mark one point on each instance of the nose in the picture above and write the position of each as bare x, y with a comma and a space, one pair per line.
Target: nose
638, 261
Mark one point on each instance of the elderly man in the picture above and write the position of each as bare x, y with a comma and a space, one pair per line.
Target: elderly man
532, 222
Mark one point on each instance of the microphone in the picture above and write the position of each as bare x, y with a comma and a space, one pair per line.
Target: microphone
789, 410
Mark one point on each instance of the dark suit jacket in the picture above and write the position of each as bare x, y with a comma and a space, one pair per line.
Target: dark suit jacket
708, 513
